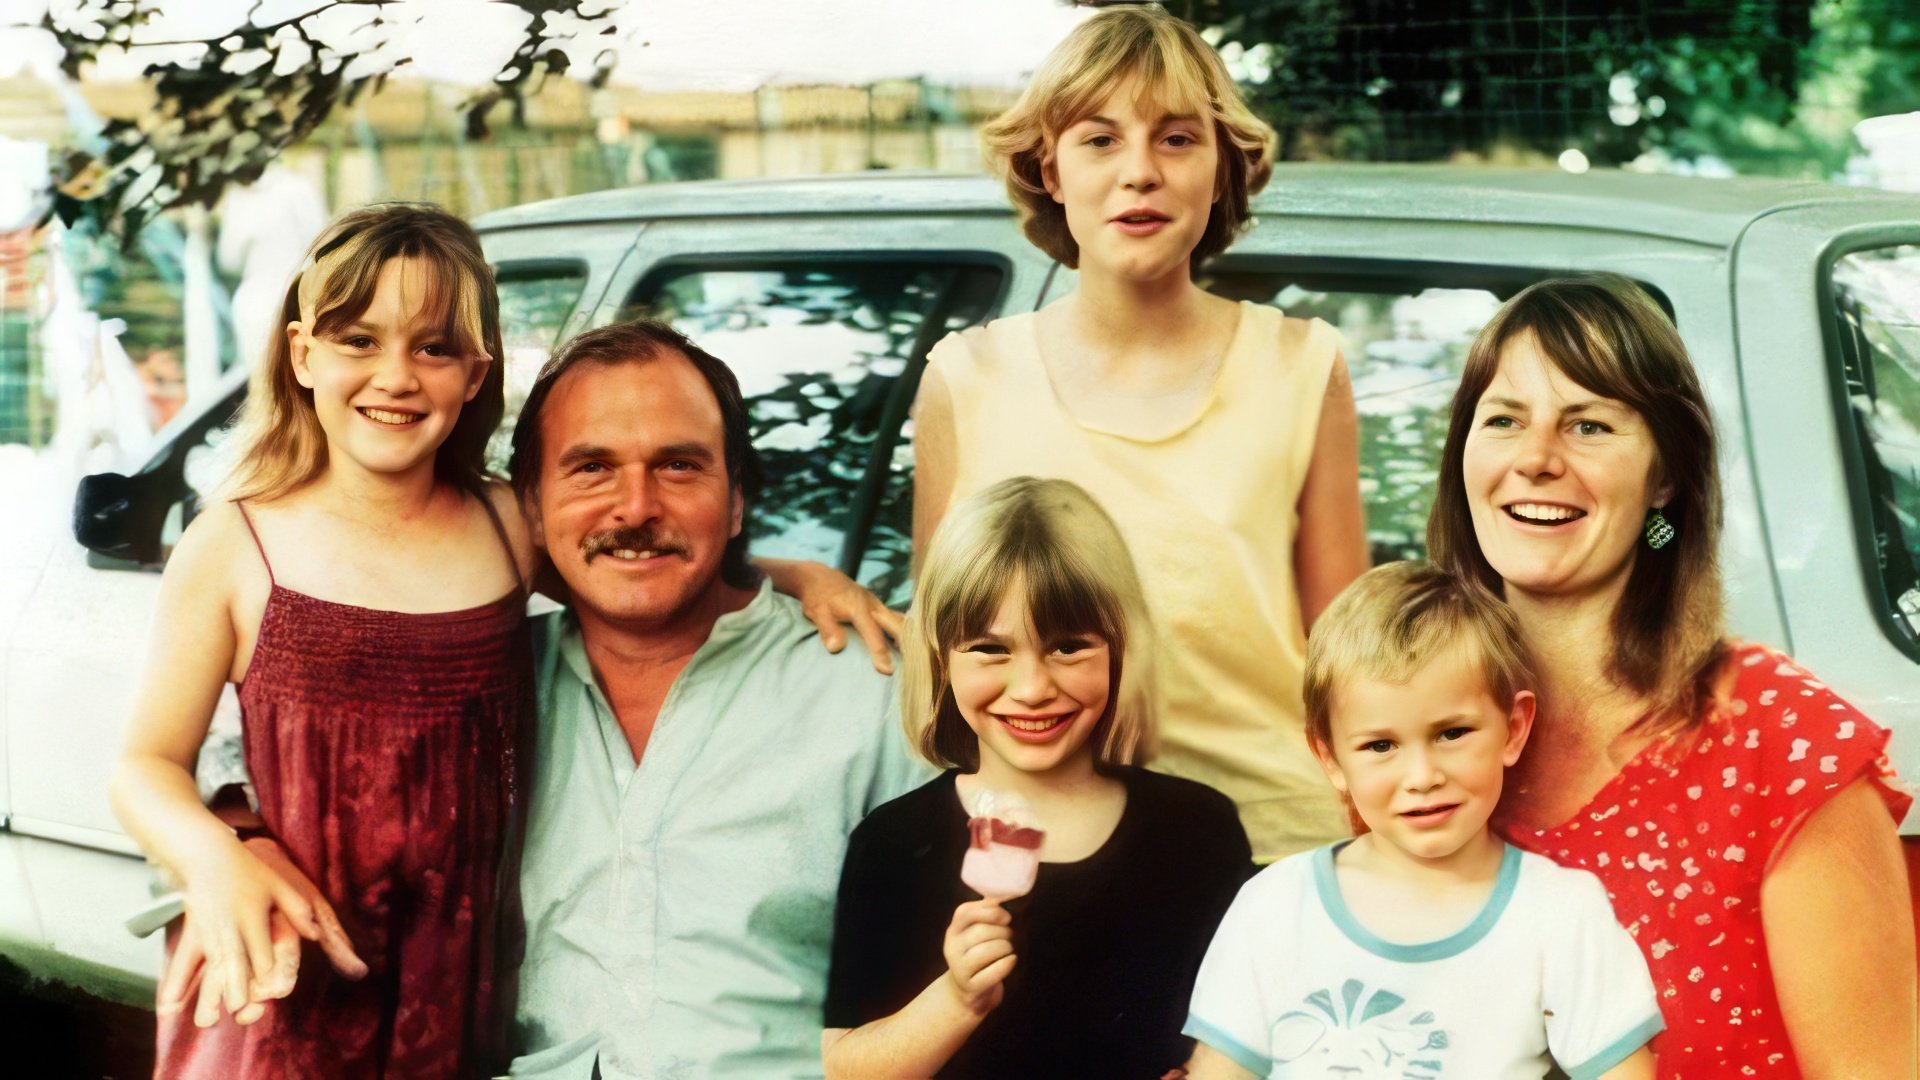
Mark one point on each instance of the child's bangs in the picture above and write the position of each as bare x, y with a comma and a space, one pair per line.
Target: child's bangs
442, 291
1063, 597
1168, 80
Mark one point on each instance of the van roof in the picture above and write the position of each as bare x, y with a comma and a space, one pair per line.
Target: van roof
1707, 211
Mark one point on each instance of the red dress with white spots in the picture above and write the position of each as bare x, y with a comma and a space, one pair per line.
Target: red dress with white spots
1683, 836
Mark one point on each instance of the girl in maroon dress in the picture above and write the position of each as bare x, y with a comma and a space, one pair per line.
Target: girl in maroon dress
1741, 814
364, 591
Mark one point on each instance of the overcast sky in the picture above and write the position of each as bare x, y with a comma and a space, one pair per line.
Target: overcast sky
717, 44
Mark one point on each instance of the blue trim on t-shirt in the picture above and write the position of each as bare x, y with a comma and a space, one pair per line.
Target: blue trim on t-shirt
1328, 886
1619, 1049
1221, 1041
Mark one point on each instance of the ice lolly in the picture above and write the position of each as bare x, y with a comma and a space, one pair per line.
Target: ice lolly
1003, 848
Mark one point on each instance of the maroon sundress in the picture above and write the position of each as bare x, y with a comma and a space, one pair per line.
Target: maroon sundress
384, 750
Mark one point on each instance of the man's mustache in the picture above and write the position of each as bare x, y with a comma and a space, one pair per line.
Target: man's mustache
632, 538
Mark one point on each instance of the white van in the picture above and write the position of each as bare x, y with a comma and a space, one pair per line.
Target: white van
1799, 302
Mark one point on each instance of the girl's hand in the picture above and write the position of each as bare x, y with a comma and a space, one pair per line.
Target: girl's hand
186, 971
979, 952
325, 929
828, 598
233, 895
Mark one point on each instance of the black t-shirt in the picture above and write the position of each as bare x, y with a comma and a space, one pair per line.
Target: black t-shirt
1108, 946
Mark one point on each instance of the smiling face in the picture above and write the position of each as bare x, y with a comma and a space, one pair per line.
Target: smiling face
387, 387
1558, 479
1137, 182
634, 504
1423, 761
1032, 703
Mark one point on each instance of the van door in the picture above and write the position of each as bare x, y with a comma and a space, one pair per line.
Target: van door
1827, 298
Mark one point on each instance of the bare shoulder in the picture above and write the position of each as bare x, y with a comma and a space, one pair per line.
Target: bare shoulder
216, 567
214, 546
932, 399
506, 504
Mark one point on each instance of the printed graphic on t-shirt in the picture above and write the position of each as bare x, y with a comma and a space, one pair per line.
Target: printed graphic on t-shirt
1358, 1034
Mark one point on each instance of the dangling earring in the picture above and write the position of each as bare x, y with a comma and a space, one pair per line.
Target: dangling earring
1659, 530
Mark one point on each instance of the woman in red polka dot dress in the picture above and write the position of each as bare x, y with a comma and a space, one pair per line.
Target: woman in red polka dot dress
1741, 814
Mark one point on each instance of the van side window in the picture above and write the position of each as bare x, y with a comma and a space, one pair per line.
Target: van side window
1405, 334
1405, 348
535, 300
1876, 311
829, 354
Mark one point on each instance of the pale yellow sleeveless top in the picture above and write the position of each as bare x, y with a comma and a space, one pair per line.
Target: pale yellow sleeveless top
1208, 511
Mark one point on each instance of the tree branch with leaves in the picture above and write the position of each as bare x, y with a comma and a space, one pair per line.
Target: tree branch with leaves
227, 105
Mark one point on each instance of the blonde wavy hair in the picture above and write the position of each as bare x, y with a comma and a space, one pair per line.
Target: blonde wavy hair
1052, 541
279, 446
1176, 72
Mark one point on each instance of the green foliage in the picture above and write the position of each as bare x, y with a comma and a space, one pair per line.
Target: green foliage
247, 95
1769, 85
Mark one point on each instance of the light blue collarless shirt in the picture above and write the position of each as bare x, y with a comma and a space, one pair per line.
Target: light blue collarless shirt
680, 912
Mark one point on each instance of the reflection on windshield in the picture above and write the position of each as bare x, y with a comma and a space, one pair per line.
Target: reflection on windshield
819, 351
1404, 353
1877, 300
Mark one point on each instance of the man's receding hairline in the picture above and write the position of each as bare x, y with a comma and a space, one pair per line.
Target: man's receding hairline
653, 351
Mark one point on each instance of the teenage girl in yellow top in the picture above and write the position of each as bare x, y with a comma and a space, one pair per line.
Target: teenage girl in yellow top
1220, 436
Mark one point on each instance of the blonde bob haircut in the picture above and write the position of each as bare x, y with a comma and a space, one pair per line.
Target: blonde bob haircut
1176, 73
1605, 334
280, 445
1394, 620
1050, 540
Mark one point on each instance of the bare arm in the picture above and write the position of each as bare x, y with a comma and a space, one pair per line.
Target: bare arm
1840, 938
1638, 1066
925, 1034
933, 461
1331, 548
189, 658
230, 894
1210, 1064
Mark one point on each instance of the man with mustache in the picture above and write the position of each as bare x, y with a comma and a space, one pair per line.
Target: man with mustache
700, 758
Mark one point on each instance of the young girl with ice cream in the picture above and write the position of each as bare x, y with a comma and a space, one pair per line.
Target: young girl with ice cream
1028, 675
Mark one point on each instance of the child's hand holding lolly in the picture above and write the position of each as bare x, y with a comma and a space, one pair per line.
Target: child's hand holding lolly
1002, 860
979, 952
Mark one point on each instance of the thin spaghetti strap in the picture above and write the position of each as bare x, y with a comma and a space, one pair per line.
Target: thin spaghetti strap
255, 533
500, 530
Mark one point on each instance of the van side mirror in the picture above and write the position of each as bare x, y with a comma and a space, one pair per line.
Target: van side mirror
118, 519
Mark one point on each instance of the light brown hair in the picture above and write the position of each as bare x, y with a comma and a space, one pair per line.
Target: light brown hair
281, 445
1395, 619
1176, 70
1605, 333
1054, 542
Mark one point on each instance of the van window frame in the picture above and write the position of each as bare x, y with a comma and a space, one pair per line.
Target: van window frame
858, 536
1853, 458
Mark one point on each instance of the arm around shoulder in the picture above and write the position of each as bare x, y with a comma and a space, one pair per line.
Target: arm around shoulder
1331, 547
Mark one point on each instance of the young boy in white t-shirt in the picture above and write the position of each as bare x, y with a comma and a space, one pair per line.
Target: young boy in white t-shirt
1427, 947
